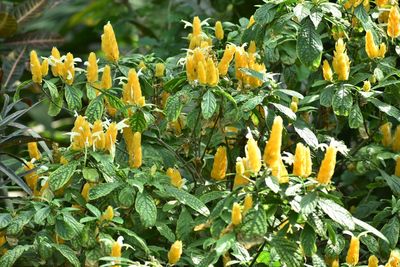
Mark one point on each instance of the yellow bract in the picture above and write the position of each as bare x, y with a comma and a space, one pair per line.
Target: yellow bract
106, 81
393, 26
253, 154
372, 50
386, 131
220, 164
33, 150
341, 61
68, 69
108, 215
354, 251
38, 71
219, 30
236, 214
160, 69
327, 71
175, 252
327, 167
92, 68
176, 178
109, 43
373, 261
132, 92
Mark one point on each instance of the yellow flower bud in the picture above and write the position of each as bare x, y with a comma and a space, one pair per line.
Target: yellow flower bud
212, 73
272, 151
176, 178
353, 252
219, 31
36, 68
386, 130
253, 154
341, 61
299, 166
201, 73
56, 68
92, 68
366, 86
45, 67
132, 92
33, 150
68, 69
251, 22
397, 170
308, 163
106, 81
327, 167
396, 140
111, 137
196, 26
160, 69
373, 261
370, 46
240, 176
226, 59
98, 136
31, 178
109, 43
220, 164
236, 214
116, 249
293, 106
85, 191
393, 27
175, 252
108, 215
248, 203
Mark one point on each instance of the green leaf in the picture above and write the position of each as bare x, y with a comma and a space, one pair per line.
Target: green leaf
308, 203
309, 46
64, 230
41, 215
250, 104
140, 241
52, 89
355, 117
305, 133
342, 102
208, 105
165, 231
307, 240
73, 96
68, 253
12, 255
317, 261
146, 208
285, 110
265, 14
254, 224
90, 174
370, 229
55, 106
90, 92
225, 243
127, 197
138, 122
287, 251
61, 176
326, 96
386, 108
392, 181
17, 224
102, 190
184, 225
336, 213
95, 109
289, 92
173, 107
391, 231
93, 210
5, 220
187, 199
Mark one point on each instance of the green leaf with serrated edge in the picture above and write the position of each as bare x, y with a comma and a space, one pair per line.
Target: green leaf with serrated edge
251, 104
41, 215
173, 107
52, 89
55, 106
73, 97
90, 174
288, 251
140, 241
62, 175
355, 117
285, 110
391, 231
342, 102
137, 122
307, 240
254, 224
5, 220
12, 255
102, 190
64, 230
386, 108
305, 133
187, 199
225, 243
146, 208
289, 92
326, 96
317, 261
208, 105
93, 210
165, 231
336, 213
309, 45
265, 14
68, 253
95, 109
308, 203
184, 225
90, 92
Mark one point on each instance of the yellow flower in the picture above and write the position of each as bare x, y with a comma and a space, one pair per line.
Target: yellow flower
327, 167
299, 166
394, 259
99, 139
272, 152
248, 203
175, 252
370, 46
201, 73
196, 26
212, 73
108, 215
353, 252
81, 134
160, 69
219, 31
367, 86
341, 61
31, 178
393, 28
251, 22
253, 154
293, 106
136, 150
381, 3
68, 69
396, 140
176, 178
106, 81
373, 261
36, 68
220, 164
252, 47
386, 130
241, 61
382, 50
308, 163
56, 68
92, 68
190, 68
132, 92
33, 150
397, 170
240, 178
85, 191
236, 214
109, 43
116, 249
226, 59
111, 137
45, 67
